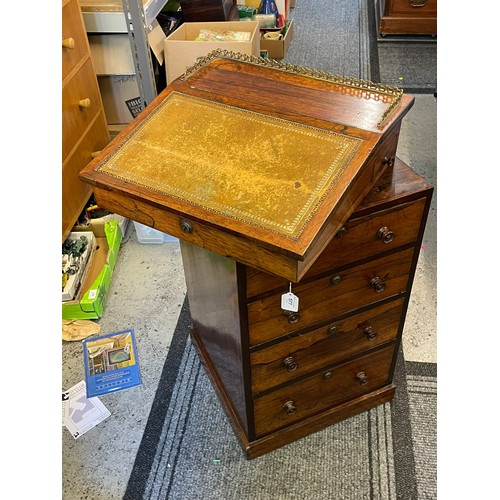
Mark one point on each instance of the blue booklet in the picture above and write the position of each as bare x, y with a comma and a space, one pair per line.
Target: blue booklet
111, 363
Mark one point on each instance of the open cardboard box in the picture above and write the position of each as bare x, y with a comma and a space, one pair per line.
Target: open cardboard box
89, 302
182, 51
276, 49
97, 225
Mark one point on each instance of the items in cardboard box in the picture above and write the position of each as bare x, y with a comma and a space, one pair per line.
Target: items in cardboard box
169, 21
246, 12
93, 218
276, 43
182, 50
89, 301
269, 7
76, 252
222, 36
265, 20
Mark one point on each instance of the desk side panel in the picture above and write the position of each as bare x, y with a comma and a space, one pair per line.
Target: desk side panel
214, 302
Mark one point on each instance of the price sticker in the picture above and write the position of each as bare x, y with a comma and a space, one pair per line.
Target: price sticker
289, 301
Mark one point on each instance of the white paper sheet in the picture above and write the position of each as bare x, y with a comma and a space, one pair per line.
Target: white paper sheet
79, 413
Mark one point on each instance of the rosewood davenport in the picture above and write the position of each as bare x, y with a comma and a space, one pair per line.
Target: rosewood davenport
300, 232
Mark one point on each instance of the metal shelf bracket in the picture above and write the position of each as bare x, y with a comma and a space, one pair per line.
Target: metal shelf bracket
138, 29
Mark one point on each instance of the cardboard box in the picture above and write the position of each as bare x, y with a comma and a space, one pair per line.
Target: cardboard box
89, 303
97, 225
276, 49
182, 51
115, 72
120, 97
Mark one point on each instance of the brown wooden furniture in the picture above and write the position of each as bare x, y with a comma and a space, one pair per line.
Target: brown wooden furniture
83, 122
194, 11
280, 174
408, 17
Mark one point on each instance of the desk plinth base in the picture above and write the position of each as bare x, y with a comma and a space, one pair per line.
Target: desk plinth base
298, 430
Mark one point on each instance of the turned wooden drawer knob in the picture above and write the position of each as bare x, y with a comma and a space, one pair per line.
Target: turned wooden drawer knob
377, 284
290, 407
332, 329
68, 43
385, 234
290, 363
341, 232
84, 103
362, 378
293, 317
335, 280
370, 333
389, 161
186, 226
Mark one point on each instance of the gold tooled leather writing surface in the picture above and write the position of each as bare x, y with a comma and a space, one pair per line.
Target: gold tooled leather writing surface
263, 171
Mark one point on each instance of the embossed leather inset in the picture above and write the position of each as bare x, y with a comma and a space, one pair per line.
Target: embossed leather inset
258, 169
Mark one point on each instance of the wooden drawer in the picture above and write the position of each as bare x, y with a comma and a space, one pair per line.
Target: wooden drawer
396, 226
324, 346
316, 393
74, 36
75, 117
411, 8
329, 297
368, 236
75, 193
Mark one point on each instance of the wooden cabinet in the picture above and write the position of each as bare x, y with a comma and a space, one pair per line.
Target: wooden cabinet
84, 129
283, 375
408, 17
209, 10
284, 177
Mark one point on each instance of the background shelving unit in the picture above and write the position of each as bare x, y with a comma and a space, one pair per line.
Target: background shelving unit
134, 18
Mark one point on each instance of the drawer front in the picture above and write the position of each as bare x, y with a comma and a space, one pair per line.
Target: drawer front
77, 113
74, 38
368, 236
330, 296
75, 193
412, 8
359, 238
324, 346
320, 392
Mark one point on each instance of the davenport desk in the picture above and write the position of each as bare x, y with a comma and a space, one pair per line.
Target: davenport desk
300, 232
